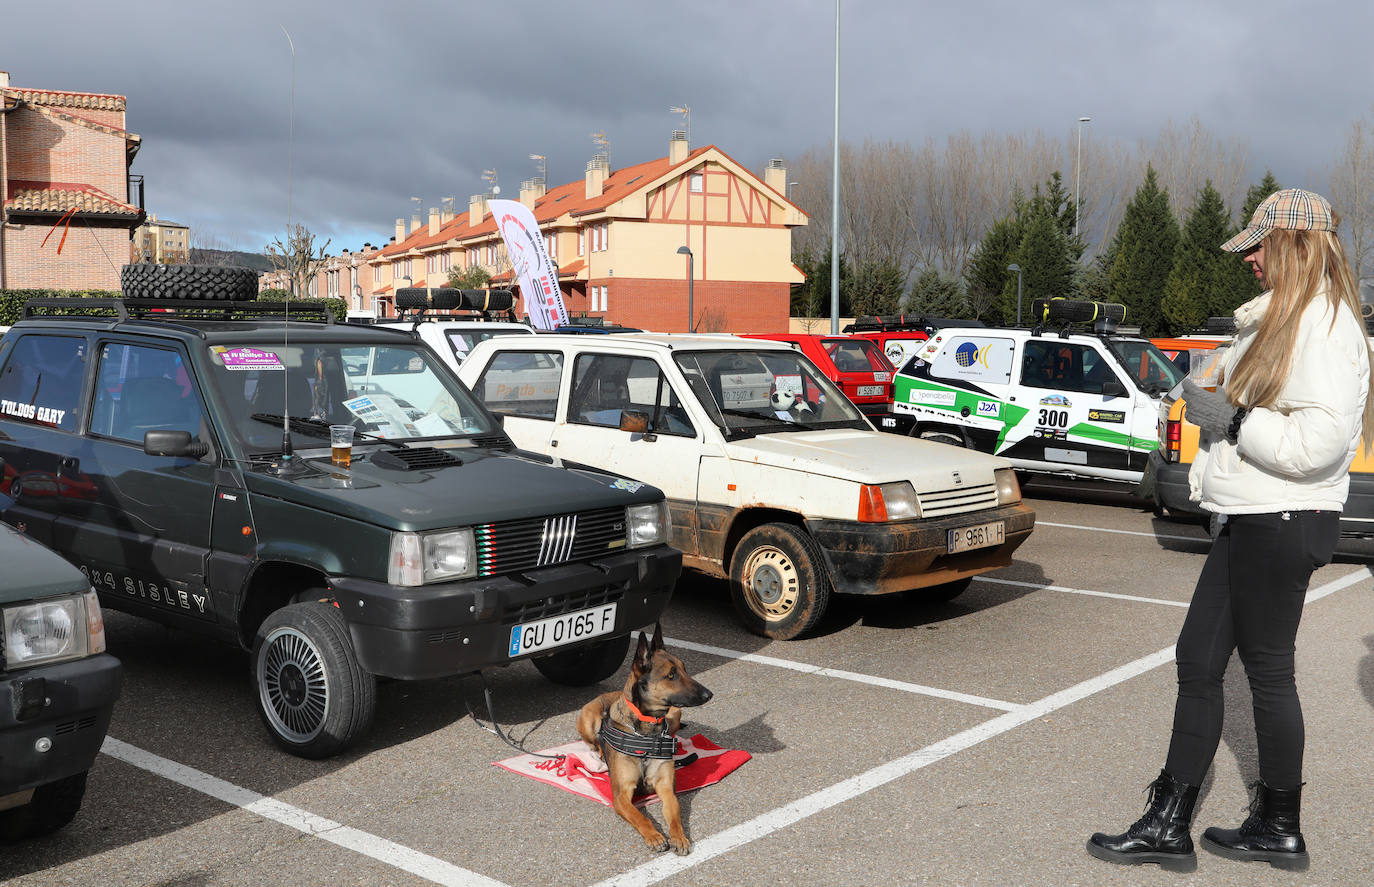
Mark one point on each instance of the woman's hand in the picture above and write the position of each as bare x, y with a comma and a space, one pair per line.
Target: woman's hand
1208, 410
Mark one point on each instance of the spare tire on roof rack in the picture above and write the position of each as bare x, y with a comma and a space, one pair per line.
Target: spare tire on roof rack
414, 298
218, 283
1076, 311
1224, 326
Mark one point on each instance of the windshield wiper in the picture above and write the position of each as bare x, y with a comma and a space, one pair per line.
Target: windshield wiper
315, 427
776, 423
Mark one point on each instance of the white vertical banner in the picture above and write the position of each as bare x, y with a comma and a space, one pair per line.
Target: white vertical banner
530, 260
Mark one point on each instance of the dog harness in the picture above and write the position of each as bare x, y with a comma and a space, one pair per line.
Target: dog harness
661, 745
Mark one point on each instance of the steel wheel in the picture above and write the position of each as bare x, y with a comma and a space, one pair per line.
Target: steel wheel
293, 684
771, 583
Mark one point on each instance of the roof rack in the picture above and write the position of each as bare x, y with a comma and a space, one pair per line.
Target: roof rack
177, 309
1104, 316
493, 304
888, 323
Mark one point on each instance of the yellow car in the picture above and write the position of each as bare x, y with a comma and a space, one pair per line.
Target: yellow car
1167, 475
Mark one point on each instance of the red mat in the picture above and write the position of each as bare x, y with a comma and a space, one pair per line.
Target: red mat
582, 772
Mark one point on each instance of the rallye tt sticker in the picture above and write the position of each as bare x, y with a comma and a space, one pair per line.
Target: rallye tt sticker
1055, 400
629, 486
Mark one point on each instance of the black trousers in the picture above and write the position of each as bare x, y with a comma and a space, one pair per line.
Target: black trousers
1249, 598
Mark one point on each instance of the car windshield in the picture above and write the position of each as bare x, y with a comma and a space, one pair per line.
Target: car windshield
387, 392
856, 356
462, 341
748, 392
1147, 365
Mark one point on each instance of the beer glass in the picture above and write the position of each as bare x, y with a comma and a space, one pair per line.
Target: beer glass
341, 445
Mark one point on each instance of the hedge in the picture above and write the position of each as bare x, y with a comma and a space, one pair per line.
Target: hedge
12, 302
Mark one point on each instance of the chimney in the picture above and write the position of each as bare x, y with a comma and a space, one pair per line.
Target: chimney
415, 223
4, 79
433, 220
775, 176
677, 147
596, 175
477, 208
446, 212
530, 191
400, 231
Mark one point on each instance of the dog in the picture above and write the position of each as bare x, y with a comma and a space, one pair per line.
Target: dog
635, 732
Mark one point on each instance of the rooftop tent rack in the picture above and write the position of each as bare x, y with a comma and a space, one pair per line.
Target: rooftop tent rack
178, 309
486, 303
887, 323
1104, 316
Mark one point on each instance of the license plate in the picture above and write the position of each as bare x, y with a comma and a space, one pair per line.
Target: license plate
559, 630
981, 536
871, 390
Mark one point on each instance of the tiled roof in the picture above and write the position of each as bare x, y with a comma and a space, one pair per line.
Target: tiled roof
570, 199
59, 197
92, 100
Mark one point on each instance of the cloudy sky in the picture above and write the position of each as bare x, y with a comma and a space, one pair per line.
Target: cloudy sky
399, 99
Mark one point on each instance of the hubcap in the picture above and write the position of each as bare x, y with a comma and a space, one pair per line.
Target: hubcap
293, 685
771, 582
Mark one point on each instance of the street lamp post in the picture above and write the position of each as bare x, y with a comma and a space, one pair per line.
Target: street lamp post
691, 274
1017, 268
1077, 172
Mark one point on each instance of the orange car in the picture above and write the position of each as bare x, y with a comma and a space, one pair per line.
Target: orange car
1177, 348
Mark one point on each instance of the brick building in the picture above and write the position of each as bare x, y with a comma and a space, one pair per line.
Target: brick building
66, 215
162, 241
615, 237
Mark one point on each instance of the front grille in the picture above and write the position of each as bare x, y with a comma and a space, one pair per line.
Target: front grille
557, 605
511, 546
957, 500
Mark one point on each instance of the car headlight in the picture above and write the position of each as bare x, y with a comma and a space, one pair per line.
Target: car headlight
53, 630
647, 524
888, 502
422, 558
1008, 489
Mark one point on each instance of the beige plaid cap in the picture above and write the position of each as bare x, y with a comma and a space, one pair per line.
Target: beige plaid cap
1290, 208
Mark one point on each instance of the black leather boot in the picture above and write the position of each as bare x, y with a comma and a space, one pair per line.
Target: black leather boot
1161, 835
1270, 833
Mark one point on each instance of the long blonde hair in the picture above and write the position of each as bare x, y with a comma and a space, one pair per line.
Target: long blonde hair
1298, 265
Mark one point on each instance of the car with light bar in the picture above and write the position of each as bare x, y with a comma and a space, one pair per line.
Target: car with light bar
775, 480
58, 684
327, 496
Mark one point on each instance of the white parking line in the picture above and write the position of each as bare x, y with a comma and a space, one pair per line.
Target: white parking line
1110, 594
846, 675
380, 849
1045, 523
774, 820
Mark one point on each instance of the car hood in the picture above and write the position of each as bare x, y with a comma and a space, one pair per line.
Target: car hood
488, 486
34, 572
869, 457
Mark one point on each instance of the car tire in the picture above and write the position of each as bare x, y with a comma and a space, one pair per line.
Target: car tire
586, 665
53, 806
944, 437
220, 283
313, 695
778, 582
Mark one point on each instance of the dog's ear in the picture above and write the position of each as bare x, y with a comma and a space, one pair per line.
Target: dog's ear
657, 643
643, 657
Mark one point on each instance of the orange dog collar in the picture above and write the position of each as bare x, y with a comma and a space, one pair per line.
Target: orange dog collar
641, 715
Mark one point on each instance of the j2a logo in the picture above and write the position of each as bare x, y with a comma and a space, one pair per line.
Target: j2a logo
989, 408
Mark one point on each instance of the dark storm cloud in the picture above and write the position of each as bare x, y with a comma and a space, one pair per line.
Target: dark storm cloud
394, 100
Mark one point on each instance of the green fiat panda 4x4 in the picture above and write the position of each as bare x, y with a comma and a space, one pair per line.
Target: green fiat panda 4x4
178, 451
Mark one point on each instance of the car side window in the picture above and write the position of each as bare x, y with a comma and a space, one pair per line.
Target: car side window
42, 380
140, 389
522, 383
1062, 366
606, 385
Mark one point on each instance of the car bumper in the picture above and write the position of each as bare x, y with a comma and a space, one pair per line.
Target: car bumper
459, 627
866, 558
80, 697
1171, 485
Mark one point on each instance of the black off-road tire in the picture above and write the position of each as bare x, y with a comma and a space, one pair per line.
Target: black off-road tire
313, 696
778, 581
53, 806
586, 665
217, 283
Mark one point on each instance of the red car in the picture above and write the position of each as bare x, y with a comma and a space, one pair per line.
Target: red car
858, 366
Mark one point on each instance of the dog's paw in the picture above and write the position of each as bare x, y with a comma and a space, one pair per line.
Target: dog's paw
681, 846
656, 842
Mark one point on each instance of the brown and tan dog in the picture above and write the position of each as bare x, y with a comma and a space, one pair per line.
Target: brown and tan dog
634, 730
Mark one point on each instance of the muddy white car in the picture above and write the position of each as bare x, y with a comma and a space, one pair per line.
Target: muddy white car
774, 479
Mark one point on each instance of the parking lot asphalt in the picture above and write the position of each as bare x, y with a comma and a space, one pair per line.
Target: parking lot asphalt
977, 742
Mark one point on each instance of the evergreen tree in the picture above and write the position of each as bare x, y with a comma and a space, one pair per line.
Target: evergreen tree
875, 287
988, 274
811, 298
1146, 239
935, 294
1047, 267
1056, 203
1256, 194
1198, 284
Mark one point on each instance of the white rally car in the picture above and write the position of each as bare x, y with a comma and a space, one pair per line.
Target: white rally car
774, 478
1052, 400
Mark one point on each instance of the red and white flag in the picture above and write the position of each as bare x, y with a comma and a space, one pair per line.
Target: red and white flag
533, 267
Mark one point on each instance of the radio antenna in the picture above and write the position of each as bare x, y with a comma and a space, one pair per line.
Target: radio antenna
290, 258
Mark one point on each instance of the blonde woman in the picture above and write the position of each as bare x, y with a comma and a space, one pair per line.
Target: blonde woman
1277, 441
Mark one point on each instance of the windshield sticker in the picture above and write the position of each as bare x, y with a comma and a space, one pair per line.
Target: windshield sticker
1118, 416
989, 408
629, 486
1055, 400
247, 359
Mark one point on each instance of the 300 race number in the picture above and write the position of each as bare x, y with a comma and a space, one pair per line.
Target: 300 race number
1054, 418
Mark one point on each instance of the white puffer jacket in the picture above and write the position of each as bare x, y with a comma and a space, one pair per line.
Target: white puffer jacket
1295, 456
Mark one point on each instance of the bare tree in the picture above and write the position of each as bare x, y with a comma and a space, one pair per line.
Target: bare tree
298, 259
1352, 193
1186, 157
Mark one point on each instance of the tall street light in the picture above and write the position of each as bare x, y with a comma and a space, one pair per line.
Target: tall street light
686, 251
1077, 171
1017, 268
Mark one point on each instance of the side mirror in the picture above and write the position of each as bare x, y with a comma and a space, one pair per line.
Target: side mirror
1113, 388
636, 421
173, 443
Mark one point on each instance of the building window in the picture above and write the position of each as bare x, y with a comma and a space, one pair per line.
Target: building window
695, 182
605, 298
551, 244
472, 257
581, 241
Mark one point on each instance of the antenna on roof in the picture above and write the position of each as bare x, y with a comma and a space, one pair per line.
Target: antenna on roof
290, 240
542, 161
489, 176
686, 113
603, 146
